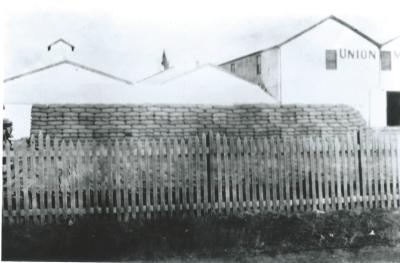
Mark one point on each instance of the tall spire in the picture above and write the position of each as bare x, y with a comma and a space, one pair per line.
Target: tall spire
164, 61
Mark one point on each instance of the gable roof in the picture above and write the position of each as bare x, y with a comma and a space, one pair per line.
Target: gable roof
390, 40
332, 17
205, 84
71, 63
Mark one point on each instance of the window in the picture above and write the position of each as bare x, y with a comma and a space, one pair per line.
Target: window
258, 64
386, 60
331, 59
233, 67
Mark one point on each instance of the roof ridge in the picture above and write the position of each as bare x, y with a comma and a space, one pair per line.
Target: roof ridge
334, 18
390, 40
153, 75
70, 63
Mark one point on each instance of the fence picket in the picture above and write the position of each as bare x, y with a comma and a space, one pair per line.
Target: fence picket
364, 173
25, 181
369, 168
295, 175
133, 174
212, 174
325, 172
10, 188
81, 174
266, 175
350, 169
246, 173
253, 174
240, 172
198, 174
332, 178
260, 176
154, 178
234, 174
275, 168
190, 175
394, 156
206, 202
280, 173
381, 153
219, 171
388, 175
397, 145
169, 152
375, 156
286, 171
227, 174
319, 164
307, 171
161, 155
177, 177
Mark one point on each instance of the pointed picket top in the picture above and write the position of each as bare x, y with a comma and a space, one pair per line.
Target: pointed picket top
8, 147
40, 139
153, 147
197, 142
245, 144
47, 139
253, 147
265, 142
210, 133
147, 148
124, 147
204, 142
117, 150
32, 141
183, 148
176, 146
79, 148
239, 145
190, 146
63, 146
161, 147
225, 144
70, 144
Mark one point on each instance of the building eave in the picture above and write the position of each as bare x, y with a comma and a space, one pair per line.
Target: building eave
332, 17
75, 64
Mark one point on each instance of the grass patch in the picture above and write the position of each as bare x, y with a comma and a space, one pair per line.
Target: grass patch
205, 237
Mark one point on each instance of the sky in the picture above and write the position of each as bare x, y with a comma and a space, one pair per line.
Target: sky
127, 38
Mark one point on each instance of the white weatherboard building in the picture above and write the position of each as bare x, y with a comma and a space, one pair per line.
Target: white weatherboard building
330, 62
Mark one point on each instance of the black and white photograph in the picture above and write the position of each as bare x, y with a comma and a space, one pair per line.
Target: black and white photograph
200, 131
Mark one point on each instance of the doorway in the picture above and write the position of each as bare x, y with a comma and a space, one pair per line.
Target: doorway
393, 108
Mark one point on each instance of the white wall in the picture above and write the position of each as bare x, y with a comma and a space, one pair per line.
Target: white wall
270, 71
391, 79
305, 78
20, 115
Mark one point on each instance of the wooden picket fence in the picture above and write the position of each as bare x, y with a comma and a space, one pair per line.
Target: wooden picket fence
48, 180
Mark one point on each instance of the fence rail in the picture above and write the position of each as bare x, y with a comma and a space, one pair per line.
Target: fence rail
50, 180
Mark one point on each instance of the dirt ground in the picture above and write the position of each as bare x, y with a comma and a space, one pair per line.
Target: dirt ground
369, 254
344, 236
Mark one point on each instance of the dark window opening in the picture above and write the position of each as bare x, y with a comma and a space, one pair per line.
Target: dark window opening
258, 65
393, 108
331, 59
233, 67
386, 60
